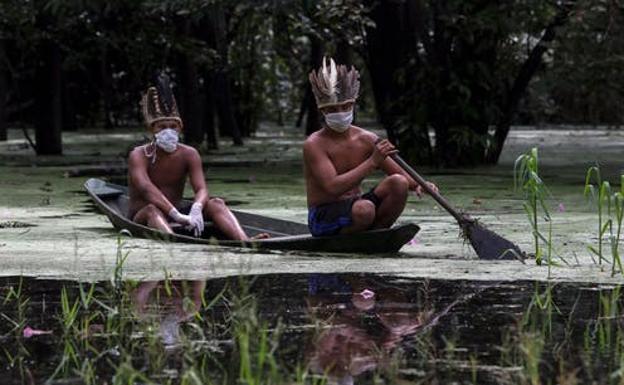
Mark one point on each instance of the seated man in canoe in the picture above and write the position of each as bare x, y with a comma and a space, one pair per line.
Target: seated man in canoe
157, 173
339, 156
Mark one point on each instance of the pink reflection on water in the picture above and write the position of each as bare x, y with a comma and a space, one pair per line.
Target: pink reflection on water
30, 332
367, 294
413, 242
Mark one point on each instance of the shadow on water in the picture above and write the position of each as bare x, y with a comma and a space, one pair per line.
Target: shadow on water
314, 328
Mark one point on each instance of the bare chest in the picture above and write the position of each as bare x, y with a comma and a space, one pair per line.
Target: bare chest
167, 172
347, 156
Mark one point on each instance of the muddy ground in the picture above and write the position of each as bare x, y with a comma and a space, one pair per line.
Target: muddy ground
47, 228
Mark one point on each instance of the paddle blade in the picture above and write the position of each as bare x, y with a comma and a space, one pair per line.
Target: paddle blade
490, 245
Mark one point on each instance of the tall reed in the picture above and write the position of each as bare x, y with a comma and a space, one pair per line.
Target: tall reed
528, 180
600, 192
614, 237
609, 207
21, 353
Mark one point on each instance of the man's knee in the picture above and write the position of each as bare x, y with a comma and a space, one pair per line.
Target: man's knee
215, 205
148, 214
397, 183
151, 210
363, 212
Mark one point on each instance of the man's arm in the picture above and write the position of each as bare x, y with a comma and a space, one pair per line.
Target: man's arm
137, 171
323, 171
390, 167
196, 177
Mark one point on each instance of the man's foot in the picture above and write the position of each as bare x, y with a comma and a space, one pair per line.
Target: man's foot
260, 236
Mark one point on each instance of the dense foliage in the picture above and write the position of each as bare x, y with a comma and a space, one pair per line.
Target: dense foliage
463, 71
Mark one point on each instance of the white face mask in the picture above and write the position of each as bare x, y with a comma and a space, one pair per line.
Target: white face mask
167, 139
339, 121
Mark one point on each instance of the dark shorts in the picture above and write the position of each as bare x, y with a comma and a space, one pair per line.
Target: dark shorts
327, 284
330, 218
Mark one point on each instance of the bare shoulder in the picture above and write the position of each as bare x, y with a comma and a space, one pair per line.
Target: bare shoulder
137, 150
363, 135
313, 141
137, 161
189, 152
137, 153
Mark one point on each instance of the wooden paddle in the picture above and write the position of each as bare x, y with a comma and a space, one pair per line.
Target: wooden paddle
486, 243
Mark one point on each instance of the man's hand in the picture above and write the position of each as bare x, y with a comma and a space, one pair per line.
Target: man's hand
383, 148
197, 219
420, 191
179, 218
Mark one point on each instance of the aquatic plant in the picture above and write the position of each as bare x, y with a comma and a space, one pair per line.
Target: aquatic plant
532, 346
70, 313
608, 311
87, 372
600, 192
539, 313
254, 344
86, 297
16, 357
474, 368
603, 339
16, 295
303, 376
527, 179
609, 207
614, 237
526, 176
120, 259
127, 374
192, 377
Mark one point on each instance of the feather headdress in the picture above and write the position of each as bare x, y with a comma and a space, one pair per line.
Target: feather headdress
334, 84
158, 103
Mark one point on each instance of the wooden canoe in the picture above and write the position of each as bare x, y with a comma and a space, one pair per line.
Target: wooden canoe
112, 200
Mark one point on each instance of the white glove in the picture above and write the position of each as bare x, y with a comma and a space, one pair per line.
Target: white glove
179, 218
197, 219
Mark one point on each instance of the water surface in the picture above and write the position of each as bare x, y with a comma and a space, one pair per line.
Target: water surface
309, 328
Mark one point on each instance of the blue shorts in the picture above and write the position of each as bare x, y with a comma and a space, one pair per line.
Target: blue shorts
330, 218
327, 284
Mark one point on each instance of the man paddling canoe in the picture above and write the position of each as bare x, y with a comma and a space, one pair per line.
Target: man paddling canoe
157, 173
339, 156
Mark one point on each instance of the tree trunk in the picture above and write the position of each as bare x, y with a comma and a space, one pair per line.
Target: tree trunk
275, 87
190, 99
49, 106
209, 112
526, 73
106, 93
384, 60
344, 53
206, 31
313, 122
303, 107
215, 33
225, 112
191, 103
244, 109
4, 91
68, 118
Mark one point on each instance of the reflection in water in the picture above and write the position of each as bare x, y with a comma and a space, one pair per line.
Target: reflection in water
291, 329
363, 321
169, 303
